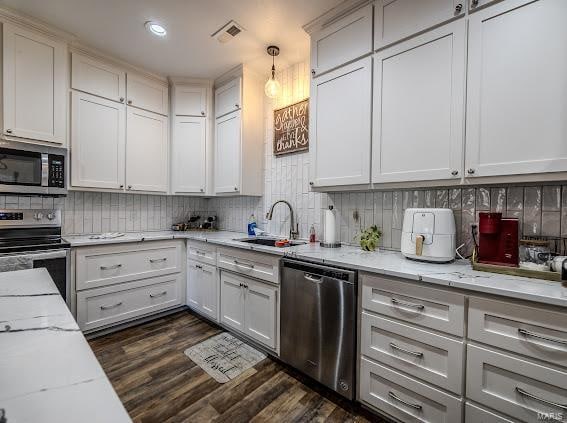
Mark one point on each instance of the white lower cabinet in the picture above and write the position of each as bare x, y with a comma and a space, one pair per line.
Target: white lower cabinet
476, 414
202, 288
118, 283
250, 307
406, 398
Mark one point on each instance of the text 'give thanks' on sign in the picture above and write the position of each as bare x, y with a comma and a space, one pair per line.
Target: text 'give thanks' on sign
291, 128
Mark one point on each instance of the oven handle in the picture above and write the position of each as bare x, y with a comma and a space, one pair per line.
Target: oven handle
44, 255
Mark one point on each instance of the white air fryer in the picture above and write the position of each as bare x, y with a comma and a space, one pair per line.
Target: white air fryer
429, 235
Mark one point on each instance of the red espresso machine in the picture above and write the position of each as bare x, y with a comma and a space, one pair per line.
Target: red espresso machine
498, 239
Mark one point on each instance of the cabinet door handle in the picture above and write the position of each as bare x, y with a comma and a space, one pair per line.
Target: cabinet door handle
202, 189
161, 294
458, 8
538, 336
243, 265
158, 260
202, 113
542, 400
115, 266
237, 106
474, 3
103, 307
409, 404
198, 266
121, 186
313, 72
201, 253
471, 171
121, 99
129, 186
398, 303
455, 172
236, 188
129, 101
9, 131
311, 183
414, 353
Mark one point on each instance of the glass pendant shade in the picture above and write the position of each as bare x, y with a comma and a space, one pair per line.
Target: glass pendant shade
272, 88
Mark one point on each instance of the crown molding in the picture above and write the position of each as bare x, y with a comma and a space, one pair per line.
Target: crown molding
14, 17
334, 14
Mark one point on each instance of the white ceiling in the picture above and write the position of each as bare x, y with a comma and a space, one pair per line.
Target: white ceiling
116, 27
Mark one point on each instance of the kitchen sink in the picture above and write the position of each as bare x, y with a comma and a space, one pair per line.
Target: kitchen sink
268, 241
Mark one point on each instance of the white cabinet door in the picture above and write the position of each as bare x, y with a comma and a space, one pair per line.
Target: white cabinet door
194, 284
228, 97
342, 41
190, 100
232, 301
517, 73
34, 80
209, 291
418, 114
260, 312
147, 94
98, 78
227, 153
189, 154
98, 140
146, 151
395, 20
340, 125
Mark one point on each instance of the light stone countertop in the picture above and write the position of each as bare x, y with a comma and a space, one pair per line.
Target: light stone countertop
48, 371
458, 274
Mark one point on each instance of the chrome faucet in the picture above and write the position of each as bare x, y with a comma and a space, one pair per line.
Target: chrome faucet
293, 227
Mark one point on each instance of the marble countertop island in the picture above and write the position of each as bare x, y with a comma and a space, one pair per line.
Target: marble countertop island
48, 372
458, 274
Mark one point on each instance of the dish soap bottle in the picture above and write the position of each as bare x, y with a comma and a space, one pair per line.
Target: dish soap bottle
312, 234
251, 225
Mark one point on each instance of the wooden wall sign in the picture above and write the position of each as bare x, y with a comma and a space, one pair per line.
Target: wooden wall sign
291, 128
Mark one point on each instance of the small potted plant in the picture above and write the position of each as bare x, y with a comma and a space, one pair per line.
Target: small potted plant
369, 238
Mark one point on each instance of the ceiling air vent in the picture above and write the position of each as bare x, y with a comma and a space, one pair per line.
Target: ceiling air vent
228, 32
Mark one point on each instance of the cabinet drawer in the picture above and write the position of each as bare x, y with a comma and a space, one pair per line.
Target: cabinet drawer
425, 355
429, 307
98, 78
514, 386
202, 252
405, 398
114, 304
342, 41
531, 331
228, 97
256, 265
395, 20
476, 414
108, 265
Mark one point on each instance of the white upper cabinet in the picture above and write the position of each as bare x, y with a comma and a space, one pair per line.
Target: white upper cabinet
395, 20
342, 41
146, 151
227, 153
35, 86
98, 78
340, 125
189, 154
418, 113
228, 97
148, 94
190, 100
517, 102
98, 139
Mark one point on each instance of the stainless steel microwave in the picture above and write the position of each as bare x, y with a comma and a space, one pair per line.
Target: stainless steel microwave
32, 169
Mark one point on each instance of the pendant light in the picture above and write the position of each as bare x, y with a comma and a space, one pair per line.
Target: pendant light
273, 87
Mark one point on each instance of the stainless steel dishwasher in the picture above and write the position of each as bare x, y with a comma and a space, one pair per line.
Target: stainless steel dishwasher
318, 323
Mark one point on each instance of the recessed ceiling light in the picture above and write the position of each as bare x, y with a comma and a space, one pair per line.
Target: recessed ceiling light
156, 28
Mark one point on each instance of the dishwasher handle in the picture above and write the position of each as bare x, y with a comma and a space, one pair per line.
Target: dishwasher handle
312, 278
315, 271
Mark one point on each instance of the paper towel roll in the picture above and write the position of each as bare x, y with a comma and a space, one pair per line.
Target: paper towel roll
330, 226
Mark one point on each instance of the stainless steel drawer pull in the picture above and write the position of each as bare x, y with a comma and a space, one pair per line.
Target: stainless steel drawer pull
409, 305
116, 266
161, 294
409, 404
542, 400
103, 307
158, 260
198, 266
414, 353
312, 278
244, 265
201, 253
538, 336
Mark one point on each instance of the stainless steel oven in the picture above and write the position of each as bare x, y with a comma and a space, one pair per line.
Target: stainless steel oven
31, 169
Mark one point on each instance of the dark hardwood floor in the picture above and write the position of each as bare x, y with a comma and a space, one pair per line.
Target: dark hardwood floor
158, 383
